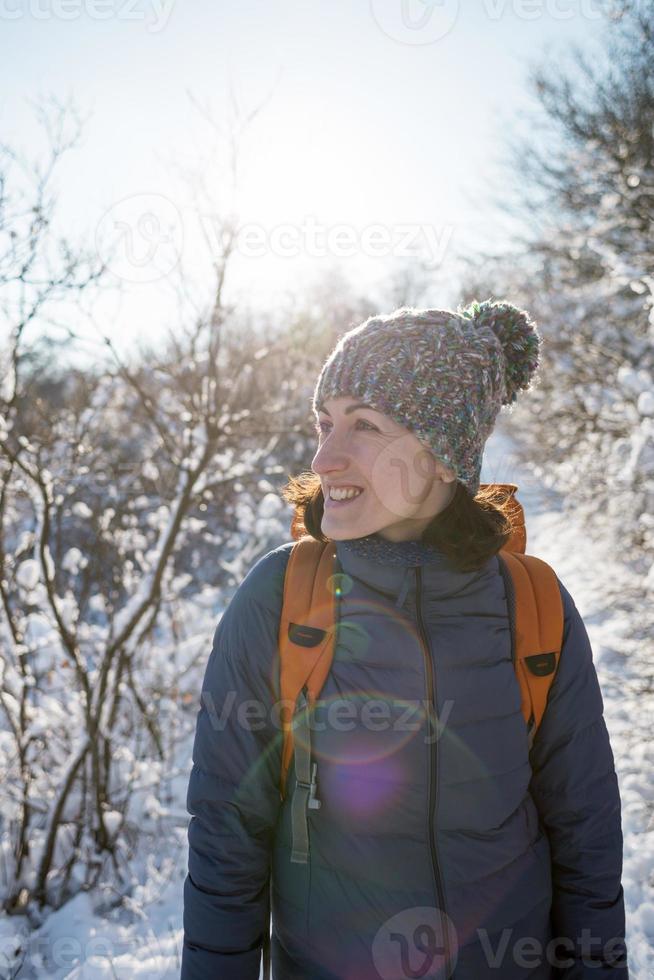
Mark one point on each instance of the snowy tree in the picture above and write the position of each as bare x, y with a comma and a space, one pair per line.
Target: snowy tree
113, 479
583, 265
37, 272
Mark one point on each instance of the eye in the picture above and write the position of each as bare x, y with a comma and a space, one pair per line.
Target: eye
319, 426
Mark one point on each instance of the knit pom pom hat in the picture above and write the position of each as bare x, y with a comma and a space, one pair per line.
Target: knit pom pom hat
443, 375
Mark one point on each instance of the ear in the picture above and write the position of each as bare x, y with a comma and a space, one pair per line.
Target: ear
444, 473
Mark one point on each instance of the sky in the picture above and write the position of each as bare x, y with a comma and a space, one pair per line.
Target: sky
377, 138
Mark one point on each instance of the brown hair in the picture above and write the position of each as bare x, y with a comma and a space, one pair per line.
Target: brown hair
469, 531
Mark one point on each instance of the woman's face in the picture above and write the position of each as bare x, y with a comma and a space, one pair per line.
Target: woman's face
403, 484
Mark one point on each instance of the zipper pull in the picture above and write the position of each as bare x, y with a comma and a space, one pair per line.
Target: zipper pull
404, 589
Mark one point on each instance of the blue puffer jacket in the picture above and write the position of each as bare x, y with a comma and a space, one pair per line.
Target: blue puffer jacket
439, 834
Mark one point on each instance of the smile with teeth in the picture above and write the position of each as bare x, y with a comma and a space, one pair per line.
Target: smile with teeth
341, 494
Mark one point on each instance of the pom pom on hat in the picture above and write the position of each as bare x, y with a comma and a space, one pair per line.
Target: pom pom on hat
518, 337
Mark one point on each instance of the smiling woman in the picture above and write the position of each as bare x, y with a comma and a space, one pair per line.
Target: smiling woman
404, 405
409, 841
400, 490
397, 483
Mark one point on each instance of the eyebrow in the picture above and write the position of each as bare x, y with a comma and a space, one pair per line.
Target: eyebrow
350, 408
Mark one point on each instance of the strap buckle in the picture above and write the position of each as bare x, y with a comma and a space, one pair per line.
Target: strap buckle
312, 802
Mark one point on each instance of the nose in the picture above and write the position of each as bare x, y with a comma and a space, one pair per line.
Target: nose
330, 457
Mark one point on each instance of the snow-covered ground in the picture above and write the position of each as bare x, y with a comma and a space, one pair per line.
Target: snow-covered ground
613, 603
143, 937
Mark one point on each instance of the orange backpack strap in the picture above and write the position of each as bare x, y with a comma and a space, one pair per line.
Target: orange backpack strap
306, 633
536, 614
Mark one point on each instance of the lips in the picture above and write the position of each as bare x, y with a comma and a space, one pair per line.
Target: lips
342, 486
347, 500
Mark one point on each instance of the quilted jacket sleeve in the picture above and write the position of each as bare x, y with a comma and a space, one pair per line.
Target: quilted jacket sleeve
233, 791
575, 788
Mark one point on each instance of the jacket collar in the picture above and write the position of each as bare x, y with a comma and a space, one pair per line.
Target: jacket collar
389, 567
376, 548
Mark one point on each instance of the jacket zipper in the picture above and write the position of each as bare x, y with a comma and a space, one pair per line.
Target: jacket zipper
433, 754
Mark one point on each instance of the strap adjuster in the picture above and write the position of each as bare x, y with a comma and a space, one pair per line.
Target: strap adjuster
312, 802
